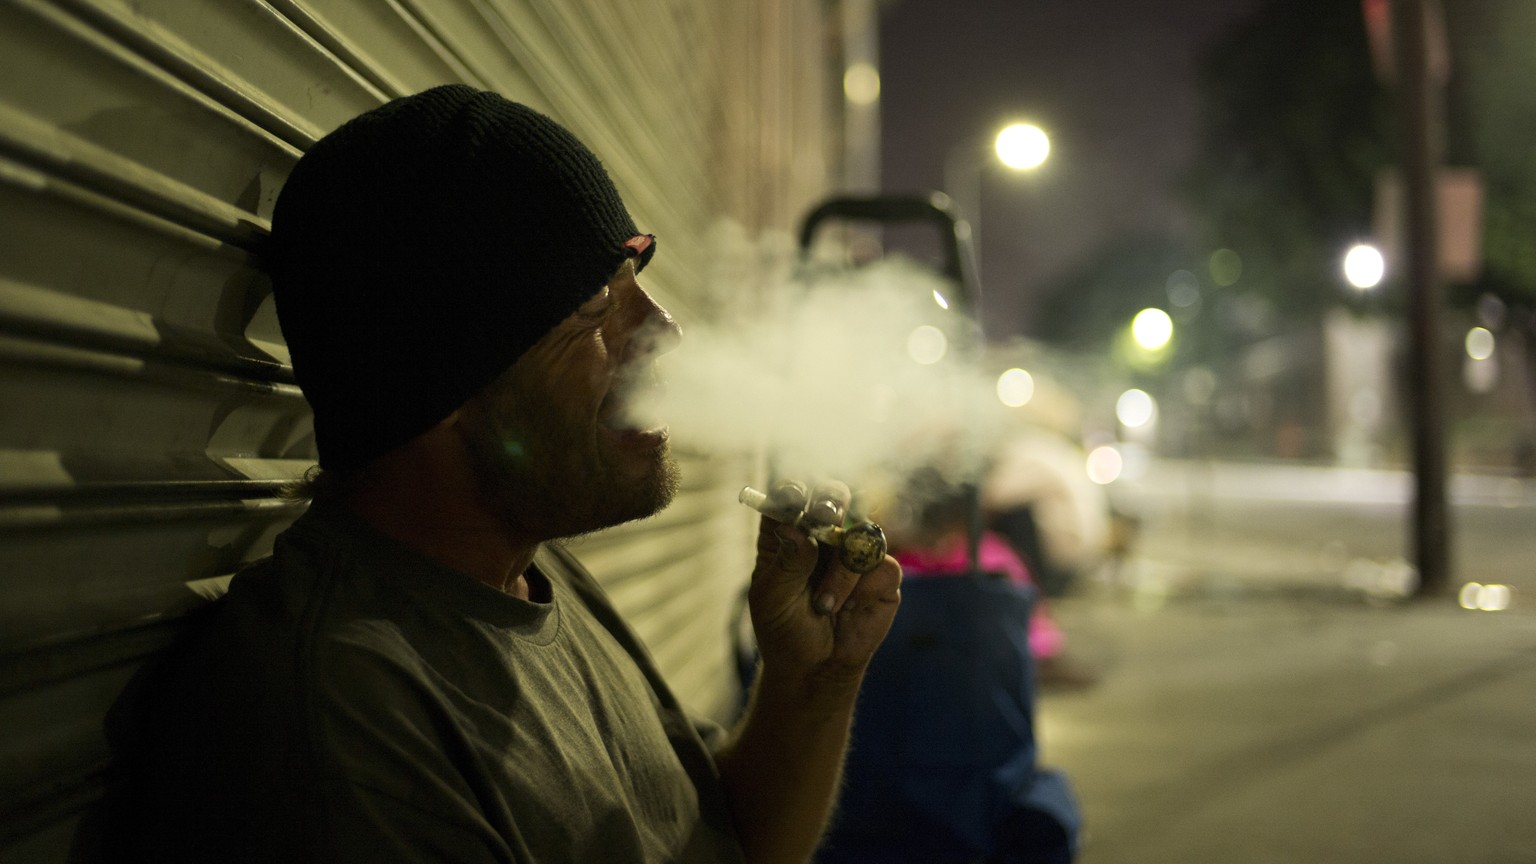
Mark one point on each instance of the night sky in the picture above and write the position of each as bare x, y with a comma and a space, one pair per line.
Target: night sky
1111, 81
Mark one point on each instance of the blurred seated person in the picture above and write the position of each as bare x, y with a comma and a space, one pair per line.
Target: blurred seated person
942, 766
932, 537
1014, 546
1039, 498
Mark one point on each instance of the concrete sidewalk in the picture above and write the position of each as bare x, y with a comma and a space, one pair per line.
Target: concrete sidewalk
1246, 721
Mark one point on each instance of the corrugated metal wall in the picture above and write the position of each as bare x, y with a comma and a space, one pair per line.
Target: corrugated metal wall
147, 411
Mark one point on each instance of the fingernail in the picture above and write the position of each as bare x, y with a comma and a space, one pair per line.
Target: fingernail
826, 603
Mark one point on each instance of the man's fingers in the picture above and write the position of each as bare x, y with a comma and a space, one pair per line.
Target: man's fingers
842, 589
786, 557
880, 585
866, 615
837, 584
824, 504
828, 503
790, 563
787, 500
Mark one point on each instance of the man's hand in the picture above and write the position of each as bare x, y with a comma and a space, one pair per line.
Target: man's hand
817, 621
818, 624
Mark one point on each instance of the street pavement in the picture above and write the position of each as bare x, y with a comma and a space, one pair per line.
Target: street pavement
1262, 696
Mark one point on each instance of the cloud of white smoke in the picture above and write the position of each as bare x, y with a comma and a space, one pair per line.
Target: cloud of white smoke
858, 374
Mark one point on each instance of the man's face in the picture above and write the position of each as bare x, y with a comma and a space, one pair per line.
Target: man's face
555, 455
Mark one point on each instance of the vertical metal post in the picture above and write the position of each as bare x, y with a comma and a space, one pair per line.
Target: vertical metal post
963, 167
1421, 134
859, 21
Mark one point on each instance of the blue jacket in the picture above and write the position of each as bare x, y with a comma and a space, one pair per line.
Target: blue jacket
942, 765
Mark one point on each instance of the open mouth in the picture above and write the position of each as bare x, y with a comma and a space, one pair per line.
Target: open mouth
630, 408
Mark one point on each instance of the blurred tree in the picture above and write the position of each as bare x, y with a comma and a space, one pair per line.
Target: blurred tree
1492, 125
1085, 307
1294, 129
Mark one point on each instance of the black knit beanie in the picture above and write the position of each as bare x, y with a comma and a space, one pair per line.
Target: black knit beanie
421, 248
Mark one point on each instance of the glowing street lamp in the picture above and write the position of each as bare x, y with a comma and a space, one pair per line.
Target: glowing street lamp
1479, 343
1023, 146
1018, 146
1152, 329
1480, 371
1364, 266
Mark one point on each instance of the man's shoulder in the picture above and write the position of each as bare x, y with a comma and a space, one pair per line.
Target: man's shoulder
264, 650
265, 628
320, 569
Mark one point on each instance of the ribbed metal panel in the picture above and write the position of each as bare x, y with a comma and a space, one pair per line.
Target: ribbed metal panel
148, 414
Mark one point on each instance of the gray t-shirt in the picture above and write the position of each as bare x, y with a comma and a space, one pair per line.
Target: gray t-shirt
351, 700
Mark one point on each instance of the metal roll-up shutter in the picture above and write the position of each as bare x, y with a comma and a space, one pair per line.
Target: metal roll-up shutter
148, 415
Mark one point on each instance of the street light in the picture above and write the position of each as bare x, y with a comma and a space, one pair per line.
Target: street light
1480, 343
1364, 266
1152, 329
1018, 146
1023, 146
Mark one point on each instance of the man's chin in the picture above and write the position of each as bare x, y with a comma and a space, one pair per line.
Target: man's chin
660, 486
641, 493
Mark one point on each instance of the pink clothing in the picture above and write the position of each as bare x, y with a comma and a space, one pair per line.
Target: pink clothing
996, 556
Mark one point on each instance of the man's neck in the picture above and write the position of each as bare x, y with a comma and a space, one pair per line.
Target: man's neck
432, 506
481, 551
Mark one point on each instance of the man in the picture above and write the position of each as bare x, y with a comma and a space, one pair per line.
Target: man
416, 674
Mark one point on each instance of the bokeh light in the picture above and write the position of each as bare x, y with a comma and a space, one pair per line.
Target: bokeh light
1469, 594
1364, 266
861, 84
1199, 384
1226, 267
927, 345
1495, 598
1480, 343
1023, 146
1104, 465
1135, 408
1183, 289
1152, 329
1480, 376
1491, 310
1015, 388
1485, 598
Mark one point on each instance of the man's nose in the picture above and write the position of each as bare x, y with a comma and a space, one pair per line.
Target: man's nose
667, 332
657, 332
